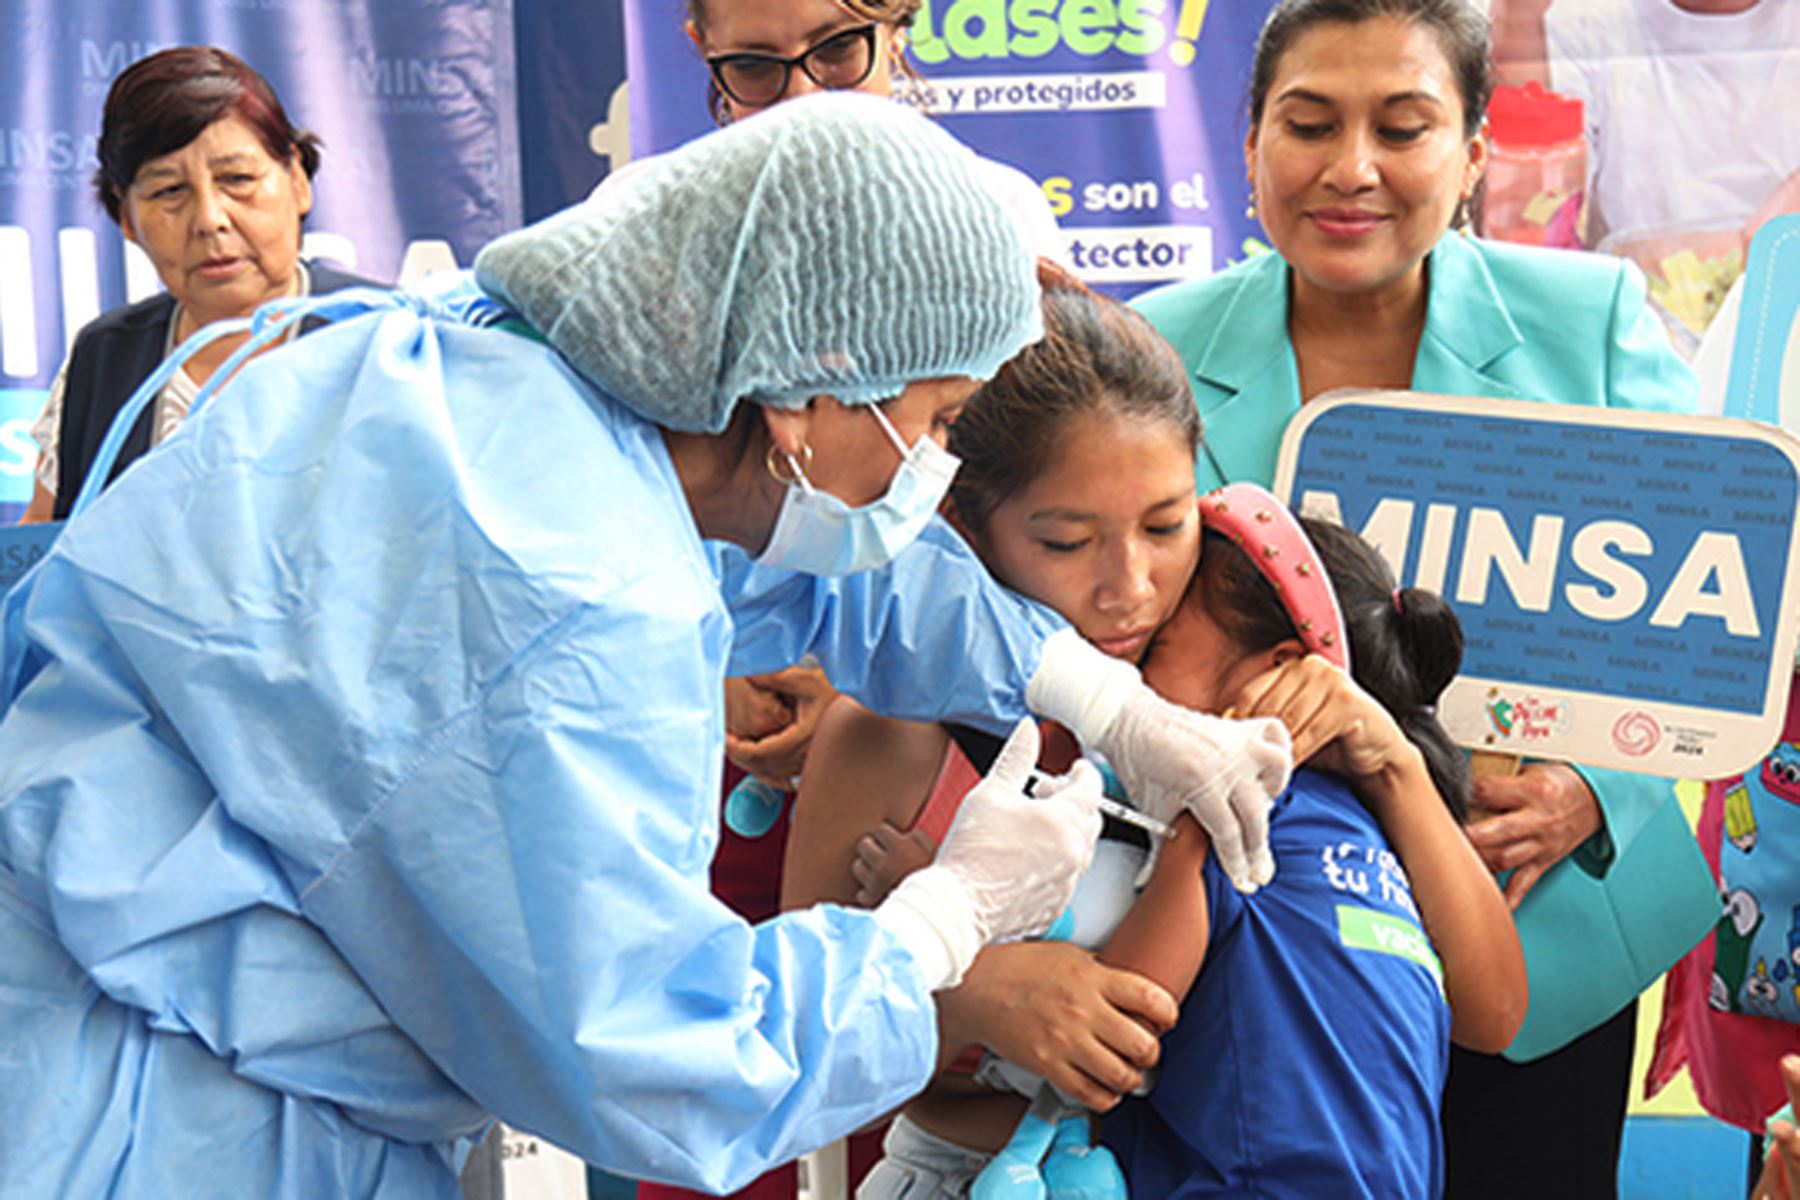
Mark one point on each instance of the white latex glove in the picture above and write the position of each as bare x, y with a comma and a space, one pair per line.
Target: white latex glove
1170, 758
1008, 865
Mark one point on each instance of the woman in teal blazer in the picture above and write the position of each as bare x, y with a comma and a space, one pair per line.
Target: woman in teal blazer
1364, 145
1514, 322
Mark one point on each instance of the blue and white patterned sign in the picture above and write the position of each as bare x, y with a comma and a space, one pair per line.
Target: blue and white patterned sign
1625, 580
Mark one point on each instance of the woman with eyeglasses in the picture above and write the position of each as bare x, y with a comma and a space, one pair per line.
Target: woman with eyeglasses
761, 54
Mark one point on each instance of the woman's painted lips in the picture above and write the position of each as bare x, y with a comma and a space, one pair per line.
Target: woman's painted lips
1345, 222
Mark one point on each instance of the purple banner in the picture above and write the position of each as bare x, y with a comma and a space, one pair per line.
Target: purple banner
415, 104
1130, 116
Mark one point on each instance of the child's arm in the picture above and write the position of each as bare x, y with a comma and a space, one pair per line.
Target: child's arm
861, 771
1464, 910
1047, 1006
1520, 49
1164, 935
1057, 1011
1342, 729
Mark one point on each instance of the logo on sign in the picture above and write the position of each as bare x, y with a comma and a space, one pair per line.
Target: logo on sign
102, 61
1524, 717
1636, 733
46, 157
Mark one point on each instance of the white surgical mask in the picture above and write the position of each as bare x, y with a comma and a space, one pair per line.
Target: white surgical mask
821, 535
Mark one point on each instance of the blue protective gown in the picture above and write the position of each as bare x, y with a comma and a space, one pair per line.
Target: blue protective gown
366, 783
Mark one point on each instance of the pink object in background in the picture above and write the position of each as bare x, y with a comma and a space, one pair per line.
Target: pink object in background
1537, 171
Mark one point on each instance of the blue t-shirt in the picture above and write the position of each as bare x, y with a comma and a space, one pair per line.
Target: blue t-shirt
1310, 1055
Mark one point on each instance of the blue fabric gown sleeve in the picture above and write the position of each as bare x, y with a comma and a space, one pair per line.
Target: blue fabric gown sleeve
544, 868
1642, 372
481, 759
930, 636
113, 832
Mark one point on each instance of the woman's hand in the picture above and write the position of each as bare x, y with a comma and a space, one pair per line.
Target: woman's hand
1780, 1178
1056, 1010
754, 711
770, 719
1334, 723
884, 857
1347, 731
1540, 816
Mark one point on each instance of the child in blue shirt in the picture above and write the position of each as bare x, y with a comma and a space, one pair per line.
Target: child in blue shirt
1311, 1051
1077, 490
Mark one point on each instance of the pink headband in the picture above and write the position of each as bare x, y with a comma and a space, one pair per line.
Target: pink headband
1265, 530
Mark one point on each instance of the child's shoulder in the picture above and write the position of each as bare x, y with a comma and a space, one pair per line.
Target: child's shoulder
1319, 797
893, 755
849, 728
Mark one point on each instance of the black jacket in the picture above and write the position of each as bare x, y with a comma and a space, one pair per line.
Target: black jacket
114, 353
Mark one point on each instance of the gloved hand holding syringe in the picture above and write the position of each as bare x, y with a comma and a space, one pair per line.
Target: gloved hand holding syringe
1010, 862
1121, 811
1008, 865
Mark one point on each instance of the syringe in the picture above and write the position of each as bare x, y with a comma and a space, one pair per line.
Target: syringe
1132, 816
1113, 808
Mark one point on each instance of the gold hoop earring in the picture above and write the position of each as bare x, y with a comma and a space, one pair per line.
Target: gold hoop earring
774, 464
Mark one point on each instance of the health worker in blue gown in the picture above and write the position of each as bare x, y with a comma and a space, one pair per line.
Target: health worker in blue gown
360, 774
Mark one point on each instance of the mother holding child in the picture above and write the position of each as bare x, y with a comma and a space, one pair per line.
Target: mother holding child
1365, 148
1077, 490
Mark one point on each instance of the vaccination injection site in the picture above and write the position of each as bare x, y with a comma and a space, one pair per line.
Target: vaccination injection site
900, 599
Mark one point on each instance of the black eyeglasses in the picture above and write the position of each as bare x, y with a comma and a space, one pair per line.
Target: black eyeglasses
842, 60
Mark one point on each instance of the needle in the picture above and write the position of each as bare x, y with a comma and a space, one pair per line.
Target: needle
1132, 816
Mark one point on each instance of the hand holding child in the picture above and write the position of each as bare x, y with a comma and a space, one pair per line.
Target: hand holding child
1540, 816
885, 856
1335, 724
770, 720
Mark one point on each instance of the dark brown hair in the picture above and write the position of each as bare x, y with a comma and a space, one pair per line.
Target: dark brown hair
1096, 356
159, 104
1405, 645
1461, 31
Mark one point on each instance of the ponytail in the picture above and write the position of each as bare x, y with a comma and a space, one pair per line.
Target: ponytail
1406, 644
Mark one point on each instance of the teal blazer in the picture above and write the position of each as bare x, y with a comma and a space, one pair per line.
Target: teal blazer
1516, 323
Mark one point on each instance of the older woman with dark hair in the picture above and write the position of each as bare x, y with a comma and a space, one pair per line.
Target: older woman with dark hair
203, 171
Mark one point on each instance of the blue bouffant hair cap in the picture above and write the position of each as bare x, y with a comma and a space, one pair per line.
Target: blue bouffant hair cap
837, 244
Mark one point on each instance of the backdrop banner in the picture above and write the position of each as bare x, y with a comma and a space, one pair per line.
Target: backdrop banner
1130, 116
415, 103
